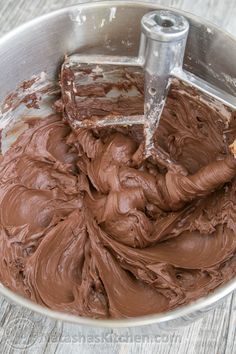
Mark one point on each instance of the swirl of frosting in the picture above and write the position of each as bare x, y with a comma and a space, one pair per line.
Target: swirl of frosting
87, 230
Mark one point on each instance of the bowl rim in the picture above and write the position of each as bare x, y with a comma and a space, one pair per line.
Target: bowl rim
199, 305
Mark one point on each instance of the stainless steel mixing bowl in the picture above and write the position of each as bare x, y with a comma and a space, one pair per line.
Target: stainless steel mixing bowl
112, 27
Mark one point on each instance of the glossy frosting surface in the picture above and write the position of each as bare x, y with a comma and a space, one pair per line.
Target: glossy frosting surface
90, 228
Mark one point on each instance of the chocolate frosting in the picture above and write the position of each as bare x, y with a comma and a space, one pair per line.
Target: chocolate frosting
90, 229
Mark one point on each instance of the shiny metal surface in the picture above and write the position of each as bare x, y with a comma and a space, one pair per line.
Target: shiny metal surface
161, 52
166, 35
164, 26
161, 49
113, 28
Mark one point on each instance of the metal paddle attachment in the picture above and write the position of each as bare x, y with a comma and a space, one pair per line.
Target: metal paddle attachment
90, 83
